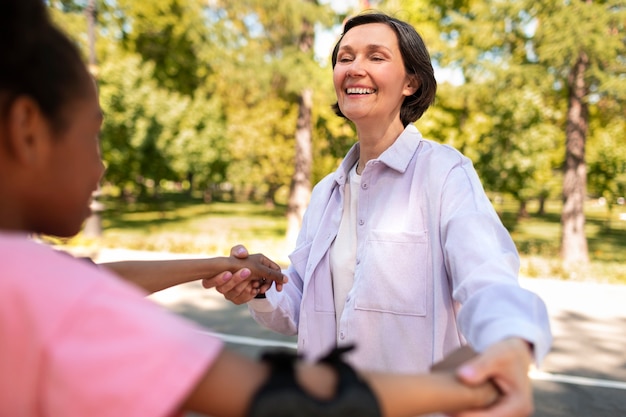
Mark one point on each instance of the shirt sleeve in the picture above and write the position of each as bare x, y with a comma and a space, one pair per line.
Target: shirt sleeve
483, 262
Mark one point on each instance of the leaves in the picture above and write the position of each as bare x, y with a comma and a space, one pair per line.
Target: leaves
207, 91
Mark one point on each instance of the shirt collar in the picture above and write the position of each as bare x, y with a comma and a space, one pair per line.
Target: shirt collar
397, 156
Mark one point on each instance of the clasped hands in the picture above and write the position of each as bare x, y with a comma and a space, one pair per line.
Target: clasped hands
249, 275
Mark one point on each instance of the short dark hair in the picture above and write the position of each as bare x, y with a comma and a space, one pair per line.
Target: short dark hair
38, 61
416, 62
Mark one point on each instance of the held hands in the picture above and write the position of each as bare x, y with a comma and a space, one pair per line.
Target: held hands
506, 363
247, 276
482, 395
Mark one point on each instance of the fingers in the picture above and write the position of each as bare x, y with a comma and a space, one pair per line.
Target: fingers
238, 280
506, 364
217, 280
508, 406
277, 277
510, 358
265, 268
454, 359
269, 263
239, 251
239, 289
264, 285
241, 294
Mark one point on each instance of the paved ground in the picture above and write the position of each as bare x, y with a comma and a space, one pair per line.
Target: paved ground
583, 376
586, 369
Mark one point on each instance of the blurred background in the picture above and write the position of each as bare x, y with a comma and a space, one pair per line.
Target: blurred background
218, 119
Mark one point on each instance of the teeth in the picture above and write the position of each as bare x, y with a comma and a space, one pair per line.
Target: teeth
360, 90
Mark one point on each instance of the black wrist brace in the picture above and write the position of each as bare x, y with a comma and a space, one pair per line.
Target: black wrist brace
281, 396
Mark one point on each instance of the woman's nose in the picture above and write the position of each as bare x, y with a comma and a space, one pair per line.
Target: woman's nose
355, 69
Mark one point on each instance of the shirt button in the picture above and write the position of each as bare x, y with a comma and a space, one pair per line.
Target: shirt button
361, 222
364, 186
342, 336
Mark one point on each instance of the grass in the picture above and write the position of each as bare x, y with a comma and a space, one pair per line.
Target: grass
537, 238
181, 224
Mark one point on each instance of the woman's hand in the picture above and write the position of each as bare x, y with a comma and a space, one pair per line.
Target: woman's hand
253, 274
506, 363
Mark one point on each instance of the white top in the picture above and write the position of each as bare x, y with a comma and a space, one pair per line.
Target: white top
343, 250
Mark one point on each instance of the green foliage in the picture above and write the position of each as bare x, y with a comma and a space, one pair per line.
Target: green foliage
607, 170
151, 132
172, 35
515, 56
261, 81
204, 94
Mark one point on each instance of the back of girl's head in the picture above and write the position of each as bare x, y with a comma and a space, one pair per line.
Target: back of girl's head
38, 60
416, 61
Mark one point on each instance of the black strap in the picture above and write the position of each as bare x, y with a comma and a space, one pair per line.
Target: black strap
281, 396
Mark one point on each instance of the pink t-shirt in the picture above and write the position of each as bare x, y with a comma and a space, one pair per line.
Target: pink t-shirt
77, 341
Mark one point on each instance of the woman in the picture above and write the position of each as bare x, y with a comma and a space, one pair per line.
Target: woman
75, 340
401, 252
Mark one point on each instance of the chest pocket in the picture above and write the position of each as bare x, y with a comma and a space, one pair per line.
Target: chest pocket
395, 273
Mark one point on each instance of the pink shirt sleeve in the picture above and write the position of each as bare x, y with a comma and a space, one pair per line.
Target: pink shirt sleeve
82, 342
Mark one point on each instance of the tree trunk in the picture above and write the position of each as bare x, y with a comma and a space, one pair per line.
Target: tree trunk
522, 211
574, 249
300, 189
93, 225
541, 210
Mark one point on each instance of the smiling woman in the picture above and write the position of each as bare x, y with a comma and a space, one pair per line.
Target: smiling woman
369, 78
401, 251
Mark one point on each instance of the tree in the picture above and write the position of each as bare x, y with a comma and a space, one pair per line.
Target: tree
300, 189
578, 50
162, 121
583, 44
282, 35
498, 116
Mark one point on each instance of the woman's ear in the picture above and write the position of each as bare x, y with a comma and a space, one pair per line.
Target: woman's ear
412, 85
28, 131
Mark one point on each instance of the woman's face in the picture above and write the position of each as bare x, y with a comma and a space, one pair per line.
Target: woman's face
369, 76
75, 166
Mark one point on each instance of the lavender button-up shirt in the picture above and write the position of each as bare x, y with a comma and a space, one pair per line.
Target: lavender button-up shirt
435, 267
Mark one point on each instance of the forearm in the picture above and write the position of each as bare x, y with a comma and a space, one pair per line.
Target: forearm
227, 388
232, 381
410, 395
155, 276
